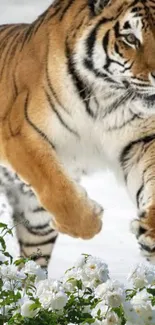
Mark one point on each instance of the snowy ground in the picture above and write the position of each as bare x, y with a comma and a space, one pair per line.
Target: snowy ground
115, 244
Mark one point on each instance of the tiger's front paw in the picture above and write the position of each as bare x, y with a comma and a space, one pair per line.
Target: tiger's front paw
144, 229
85, 222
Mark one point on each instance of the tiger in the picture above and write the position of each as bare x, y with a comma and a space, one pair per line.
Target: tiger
77, 95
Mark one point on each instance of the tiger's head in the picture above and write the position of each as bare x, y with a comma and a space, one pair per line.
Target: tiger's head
118, 47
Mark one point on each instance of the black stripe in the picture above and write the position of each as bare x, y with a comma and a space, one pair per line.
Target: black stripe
27, 35
38, 23
117, 29
36, 232
12, 29
141, 231
109, 61
148, 167
38, 257
147, 248
41, 133
39, 209
136, 10
4, 41
83, 91
90, 43
116, 48
4, 27
133, 118
28, 244
66, 9
119, 101
139, 194
144, 140
50, 16
53, 91
15, 85
127, 24
105, 41
58, 115
40, 227
151, 178
134, 3
98, 74
10, 52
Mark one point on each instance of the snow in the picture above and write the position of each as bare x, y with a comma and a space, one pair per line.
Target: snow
115, 244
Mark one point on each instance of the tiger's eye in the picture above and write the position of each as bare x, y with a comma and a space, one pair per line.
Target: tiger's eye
131, 38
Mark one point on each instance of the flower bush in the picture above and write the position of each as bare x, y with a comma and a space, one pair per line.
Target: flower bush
84, 295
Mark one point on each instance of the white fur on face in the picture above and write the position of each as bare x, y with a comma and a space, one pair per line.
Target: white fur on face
136, 26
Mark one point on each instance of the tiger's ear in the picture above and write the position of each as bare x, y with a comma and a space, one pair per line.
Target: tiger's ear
97, 6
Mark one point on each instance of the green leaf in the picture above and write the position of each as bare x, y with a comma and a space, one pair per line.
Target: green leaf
20, 261
3, 225
2, 242
36, 305
79, 284
8, 255
151, 291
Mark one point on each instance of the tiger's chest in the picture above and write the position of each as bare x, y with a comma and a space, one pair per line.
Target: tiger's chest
96, 145
89, 139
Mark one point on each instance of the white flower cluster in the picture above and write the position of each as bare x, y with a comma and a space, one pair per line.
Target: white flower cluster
139, 310
112, 293
84, 291
142, 276
13, 280
51, 295
92, 271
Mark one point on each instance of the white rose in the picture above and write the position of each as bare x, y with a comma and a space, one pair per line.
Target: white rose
100, 307
11, 272
80, 262
41, 287
46, 299
32, 268
70, 278
109, 318
112, 319
142, 305
95, 268
141, 297
59, 301
48, 285
25, 309
112, 292
143, 275
131, 315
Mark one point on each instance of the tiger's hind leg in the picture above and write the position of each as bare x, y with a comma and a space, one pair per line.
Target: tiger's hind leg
138, 164
36, 242
35, 234
33, 224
